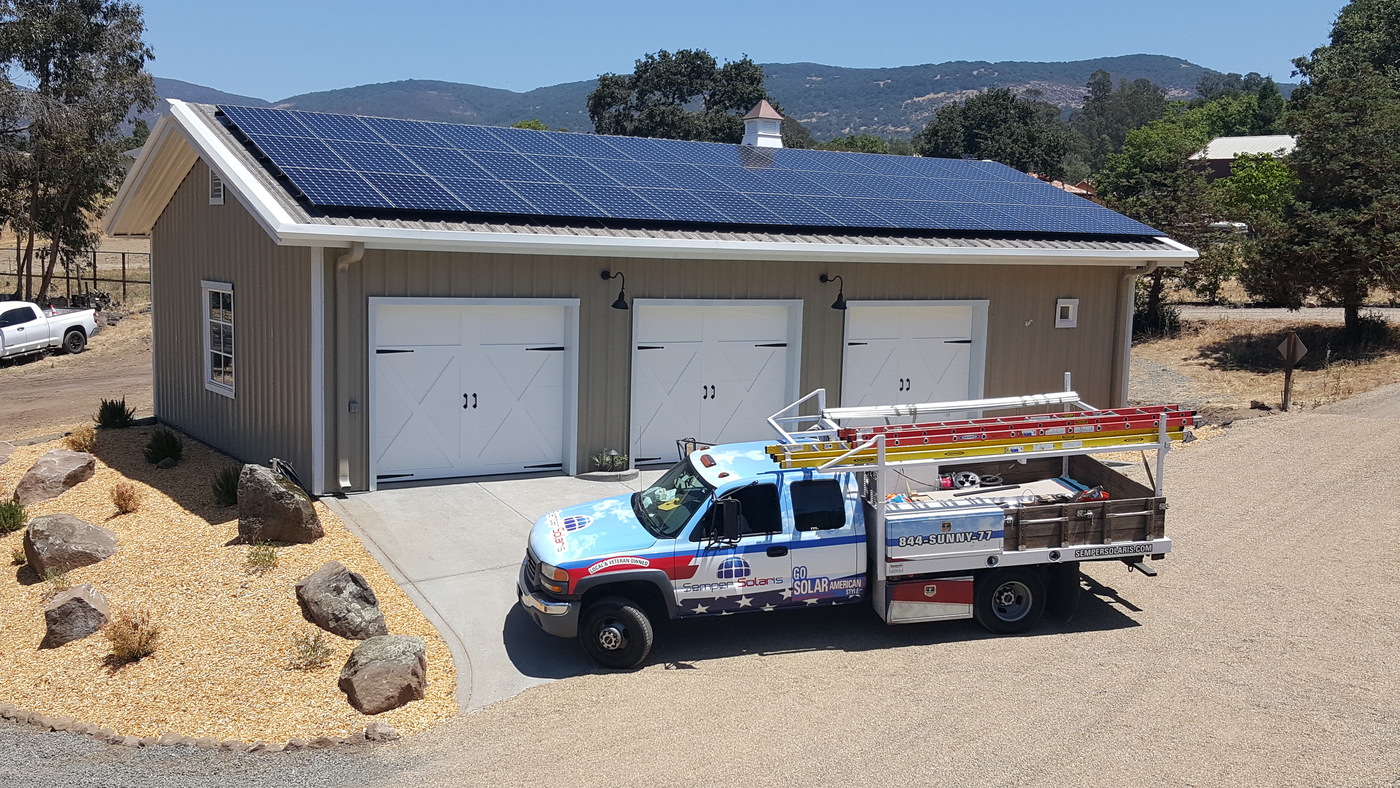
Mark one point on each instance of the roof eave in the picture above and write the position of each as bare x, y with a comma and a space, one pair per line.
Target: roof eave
1171, 253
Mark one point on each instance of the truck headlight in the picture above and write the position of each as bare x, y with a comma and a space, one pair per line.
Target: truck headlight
552, 578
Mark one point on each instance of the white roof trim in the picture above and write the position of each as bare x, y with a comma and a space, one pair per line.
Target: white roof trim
131, 215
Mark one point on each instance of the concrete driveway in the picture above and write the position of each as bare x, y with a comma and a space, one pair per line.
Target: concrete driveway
455, 548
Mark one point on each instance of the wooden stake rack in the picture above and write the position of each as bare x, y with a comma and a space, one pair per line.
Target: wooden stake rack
1029, 434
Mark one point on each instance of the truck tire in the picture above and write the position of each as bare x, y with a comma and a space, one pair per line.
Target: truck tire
1007, 601
616, 633
74, 341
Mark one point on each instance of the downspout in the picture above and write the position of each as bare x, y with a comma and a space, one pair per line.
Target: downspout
1121, 371
344, 405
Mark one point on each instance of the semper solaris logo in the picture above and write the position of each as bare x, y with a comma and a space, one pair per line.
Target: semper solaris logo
733, 568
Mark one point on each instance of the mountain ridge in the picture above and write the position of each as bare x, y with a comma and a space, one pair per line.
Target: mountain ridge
829, 101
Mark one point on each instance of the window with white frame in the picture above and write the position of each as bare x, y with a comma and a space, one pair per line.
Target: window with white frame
218, 337
1067, 313
216, 189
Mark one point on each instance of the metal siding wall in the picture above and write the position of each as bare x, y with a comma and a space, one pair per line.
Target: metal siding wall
1021, 357
269, 415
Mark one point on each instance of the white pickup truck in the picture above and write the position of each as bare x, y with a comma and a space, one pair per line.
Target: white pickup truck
28, 328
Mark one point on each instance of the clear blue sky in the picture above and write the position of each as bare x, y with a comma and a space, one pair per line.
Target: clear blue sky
273, 50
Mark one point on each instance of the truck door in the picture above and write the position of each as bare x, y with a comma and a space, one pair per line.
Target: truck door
750, 574
22, 330
828, 546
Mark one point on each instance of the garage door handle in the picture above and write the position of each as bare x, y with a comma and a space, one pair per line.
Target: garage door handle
704, 392
712, 392
473, 401
957, 342
468, 401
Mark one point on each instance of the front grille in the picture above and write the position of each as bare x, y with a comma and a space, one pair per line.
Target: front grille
532, 570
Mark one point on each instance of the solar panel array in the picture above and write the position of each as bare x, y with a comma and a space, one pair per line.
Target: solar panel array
355, 162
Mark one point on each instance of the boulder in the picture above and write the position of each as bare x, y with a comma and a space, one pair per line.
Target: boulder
380, 731
341, 602
73, 615
272, 509
385, 673
59, 542
53, 474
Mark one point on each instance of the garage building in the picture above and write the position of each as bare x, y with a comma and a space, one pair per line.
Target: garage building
379, 300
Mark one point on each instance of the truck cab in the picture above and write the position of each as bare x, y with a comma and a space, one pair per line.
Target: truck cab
726, 530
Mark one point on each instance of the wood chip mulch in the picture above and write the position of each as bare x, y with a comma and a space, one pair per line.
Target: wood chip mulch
221, 669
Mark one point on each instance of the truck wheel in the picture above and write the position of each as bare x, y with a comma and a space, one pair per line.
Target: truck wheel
1009, 600
74, 342
616, 633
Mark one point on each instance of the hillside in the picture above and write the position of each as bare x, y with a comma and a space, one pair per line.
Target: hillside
829, 100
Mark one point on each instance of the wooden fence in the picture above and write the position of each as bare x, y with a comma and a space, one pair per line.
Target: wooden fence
98, 278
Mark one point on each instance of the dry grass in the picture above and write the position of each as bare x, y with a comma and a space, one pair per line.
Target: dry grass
126, 497
1237, 361
221, 666
82, 438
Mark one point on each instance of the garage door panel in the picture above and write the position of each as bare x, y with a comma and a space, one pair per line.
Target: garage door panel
476, 407
414, 326
908, 354
721, 371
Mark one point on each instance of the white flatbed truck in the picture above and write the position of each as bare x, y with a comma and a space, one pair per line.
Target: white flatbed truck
830, 514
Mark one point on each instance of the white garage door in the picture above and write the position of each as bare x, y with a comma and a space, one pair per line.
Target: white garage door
909, 353
467, 390
715, 372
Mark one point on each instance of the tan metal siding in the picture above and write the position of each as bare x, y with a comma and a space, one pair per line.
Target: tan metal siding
1025, 352
269, 415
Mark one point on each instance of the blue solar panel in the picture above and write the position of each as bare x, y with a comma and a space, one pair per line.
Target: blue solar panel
346, 161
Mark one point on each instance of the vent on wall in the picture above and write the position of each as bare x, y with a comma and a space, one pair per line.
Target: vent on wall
216, 189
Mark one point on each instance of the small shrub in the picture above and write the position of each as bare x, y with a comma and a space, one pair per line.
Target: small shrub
11, 517
1165, 321
609, 460
310, 650
114, 413
132, 635
226, 485
82, 438
164, 444
126, 497
57, 582
17, 556
262, 558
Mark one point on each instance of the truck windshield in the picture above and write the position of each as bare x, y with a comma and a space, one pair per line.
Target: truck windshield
665, 507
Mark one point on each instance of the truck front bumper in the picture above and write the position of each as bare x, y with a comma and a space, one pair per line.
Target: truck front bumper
557, 618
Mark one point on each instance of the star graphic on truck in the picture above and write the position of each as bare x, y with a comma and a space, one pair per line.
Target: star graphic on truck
701, 609
745, 601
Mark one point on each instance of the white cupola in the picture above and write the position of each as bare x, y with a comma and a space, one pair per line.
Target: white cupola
763, 126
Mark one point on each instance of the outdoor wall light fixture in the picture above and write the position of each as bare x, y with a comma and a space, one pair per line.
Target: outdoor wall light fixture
621, 302
840, 302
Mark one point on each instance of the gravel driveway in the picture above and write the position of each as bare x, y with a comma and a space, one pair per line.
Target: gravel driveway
1264, 654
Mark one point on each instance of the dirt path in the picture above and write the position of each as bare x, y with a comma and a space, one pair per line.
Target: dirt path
47, 395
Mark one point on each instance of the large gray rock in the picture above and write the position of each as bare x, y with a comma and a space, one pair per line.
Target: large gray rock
272, 509
60, 542
73, 615
341, 602
53, 474
385, 673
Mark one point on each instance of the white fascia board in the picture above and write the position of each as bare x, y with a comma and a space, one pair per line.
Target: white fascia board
698, 249
158, 156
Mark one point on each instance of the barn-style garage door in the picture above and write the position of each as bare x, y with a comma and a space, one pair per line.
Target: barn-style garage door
908, 353
467, 389
713, 371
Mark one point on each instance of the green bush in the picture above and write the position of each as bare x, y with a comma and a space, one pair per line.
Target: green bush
11, 517
609, 460
226, 485
114, 413
164, 444
1164, 321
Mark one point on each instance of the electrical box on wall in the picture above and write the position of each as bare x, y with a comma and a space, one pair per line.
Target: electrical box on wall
1067, 313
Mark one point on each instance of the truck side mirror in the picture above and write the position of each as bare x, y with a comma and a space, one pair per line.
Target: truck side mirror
728, 518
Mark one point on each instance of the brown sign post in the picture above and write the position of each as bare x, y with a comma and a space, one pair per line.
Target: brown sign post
1292, 349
